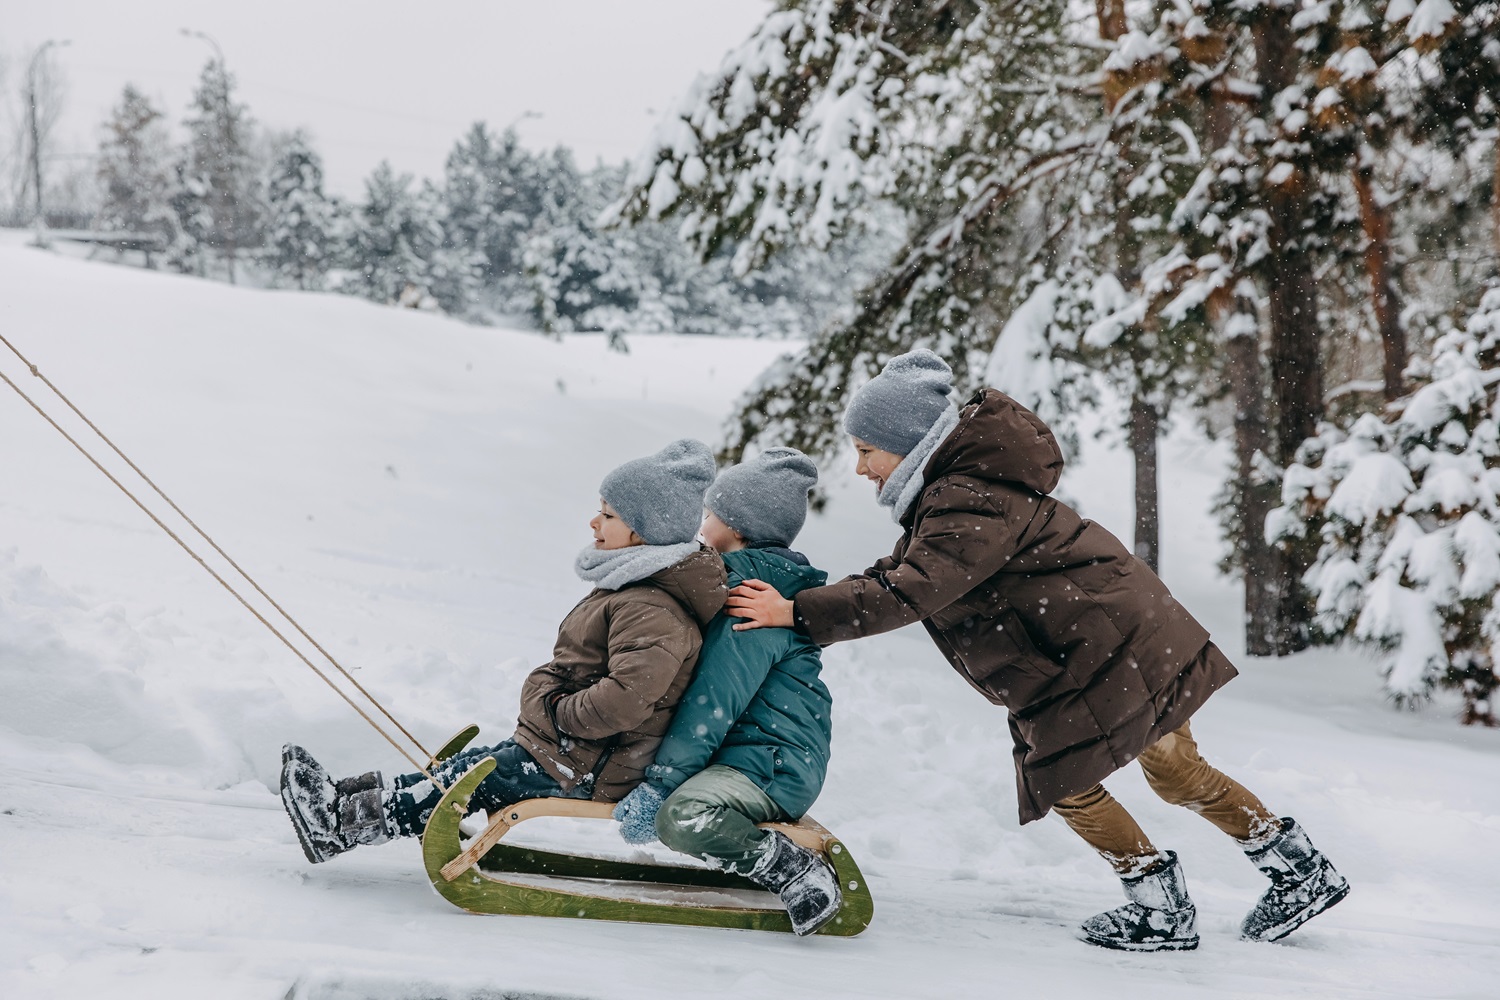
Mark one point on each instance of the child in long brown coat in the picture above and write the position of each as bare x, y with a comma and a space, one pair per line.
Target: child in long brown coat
1049, 615
593, 716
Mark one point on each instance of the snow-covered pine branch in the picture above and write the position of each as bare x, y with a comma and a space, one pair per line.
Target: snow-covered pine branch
1407, 520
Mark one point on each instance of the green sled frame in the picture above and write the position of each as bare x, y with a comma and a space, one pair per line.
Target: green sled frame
480, 878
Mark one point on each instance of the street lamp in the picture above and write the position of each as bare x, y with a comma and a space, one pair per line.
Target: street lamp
218, 52
39, 221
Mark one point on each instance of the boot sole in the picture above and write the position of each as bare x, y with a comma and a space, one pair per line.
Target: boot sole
304, 836
1302, 916
1116, 945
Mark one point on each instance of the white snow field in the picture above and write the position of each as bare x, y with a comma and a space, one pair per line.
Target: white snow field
414, 490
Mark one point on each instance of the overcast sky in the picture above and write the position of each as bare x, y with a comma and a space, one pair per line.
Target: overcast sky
382, 79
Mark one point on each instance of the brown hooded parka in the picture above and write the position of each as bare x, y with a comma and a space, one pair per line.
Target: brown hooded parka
1040, 610
622, 660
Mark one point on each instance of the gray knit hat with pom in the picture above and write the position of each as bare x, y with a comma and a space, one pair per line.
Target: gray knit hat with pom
765, 498
895, 409
661, 496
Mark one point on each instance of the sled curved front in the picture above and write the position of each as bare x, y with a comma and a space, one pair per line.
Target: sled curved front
480, 879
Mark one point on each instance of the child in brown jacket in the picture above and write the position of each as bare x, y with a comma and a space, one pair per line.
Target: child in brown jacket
592, 717
1048, 615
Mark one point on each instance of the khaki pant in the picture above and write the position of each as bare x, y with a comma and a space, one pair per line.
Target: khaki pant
1179, 774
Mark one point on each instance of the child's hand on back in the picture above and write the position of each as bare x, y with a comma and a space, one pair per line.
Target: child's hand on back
762, 604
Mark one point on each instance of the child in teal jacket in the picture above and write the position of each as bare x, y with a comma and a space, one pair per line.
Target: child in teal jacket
750, 741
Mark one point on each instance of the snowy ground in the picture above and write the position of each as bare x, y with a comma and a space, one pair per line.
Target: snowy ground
414, 489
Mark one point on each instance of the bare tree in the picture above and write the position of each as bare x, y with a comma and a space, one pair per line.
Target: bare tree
42, 93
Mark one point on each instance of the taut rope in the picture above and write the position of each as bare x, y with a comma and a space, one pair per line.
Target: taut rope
211, 571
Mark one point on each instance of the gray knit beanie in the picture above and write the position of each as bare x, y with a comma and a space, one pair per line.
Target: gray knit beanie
765, 499
895, 409
661, 496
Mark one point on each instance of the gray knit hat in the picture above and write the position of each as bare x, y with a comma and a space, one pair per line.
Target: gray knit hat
896, 409
661, 496
765, 499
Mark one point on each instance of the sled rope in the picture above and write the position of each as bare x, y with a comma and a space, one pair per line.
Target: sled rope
212, 572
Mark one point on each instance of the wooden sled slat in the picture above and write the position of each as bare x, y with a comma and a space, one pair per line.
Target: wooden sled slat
474, 878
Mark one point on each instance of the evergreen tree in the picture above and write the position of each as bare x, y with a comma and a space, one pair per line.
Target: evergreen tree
398, 253
218, 197
1405, 515
134, 169
496, 194
300, 220
955, 112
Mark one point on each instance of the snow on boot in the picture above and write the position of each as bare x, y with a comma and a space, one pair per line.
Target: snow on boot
309, 796
361, 810
1158, 917
806, 884
1303, 884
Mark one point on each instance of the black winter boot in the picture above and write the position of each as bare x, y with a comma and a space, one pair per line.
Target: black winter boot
1159, 916
330, 817
1303, 884
805, 882
361, 810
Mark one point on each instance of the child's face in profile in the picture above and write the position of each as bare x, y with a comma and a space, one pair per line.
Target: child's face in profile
611, 531
875, 464
719, 536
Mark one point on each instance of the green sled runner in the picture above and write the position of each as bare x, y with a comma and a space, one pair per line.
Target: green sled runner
488, 876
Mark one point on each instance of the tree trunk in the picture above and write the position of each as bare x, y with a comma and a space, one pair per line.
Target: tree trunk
1376, 220
1145, 421
1495, 195
1145, 429
1111, 14
1296, 365
1253, 497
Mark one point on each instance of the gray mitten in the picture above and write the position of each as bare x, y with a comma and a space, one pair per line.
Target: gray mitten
637, 813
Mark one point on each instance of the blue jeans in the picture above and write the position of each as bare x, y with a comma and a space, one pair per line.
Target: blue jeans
516, 776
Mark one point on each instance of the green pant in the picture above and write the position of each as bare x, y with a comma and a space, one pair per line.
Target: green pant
713, 815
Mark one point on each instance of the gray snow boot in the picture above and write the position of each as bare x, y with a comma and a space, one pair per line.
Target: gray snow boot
806, 884
1158, 917
1303, 884
330, 817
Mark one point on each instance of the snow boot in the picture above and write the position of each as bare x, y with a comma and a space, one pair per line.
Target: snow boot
1303, 884
330, 817
805, 882
1158, 917
308, 795
361, 810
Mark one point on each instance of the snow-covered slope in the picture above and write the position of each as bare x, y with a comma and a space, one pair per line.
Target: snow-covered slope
414, 490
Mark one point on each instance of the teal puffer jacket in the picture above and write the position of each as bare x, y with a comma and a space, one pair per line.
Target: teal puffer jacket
756, 703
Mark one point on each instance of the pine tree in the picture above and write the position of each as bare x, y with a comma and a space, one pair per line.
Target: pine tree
398, 253
958, 113
1406, 516
300, 220
218, 196
496, 194
134, 169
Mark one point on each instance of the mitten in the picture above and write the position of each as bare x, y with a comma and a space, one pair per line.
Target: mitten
637, 813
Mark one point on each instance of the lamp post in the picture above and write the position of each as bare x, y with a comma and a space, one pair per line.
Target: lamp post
232, 235
218, 52
39, 221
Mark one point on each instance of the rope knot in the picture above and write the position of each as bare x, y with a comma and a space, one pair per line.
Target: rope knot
34, 371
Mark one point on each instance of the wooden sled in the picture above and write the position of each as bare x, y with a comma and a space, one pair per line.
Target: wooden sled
492, 877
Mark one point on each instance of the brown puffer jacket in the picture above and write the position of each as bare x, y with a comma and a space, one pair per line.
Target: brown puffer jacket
622, 660
1040, 610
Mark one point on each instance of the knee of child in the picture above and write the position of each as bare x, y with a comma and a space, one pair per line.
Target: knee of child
677, 819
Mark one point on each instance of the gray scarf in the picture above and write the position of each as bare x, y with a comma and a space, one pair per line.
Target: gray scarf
905, 485
611, 569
